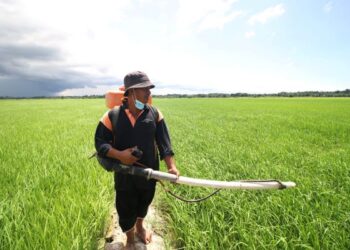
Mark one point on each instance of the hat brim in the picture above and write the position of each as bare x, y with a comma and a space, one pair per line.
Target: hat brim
140, 86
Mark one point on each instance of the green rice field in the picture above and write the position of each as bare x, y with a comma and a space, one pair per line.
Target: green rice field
53, 197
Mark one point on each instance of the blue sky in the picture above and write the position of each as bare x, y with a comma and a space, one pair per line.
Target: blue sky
185, 46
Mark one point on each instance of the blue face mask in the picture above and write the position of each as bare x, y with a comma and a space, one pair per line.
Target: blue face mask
139, 105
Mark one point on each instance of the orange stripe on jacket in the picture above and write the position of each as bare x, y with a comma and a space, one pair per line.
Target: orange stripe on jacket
106, 121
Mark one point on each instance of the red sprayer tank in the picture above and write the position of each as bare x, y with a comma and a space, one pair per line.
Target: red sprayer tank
115, 97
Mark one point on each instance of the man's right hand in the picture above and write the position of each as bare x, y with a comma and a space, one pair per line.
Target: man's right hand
124, 156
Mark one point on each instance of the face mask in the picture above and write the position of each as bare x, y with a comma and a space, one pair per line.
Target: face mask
139, 105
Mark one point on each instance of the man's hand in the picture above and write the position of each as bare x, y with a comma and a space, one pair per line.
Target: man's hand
173, 170
126, 157
170, 163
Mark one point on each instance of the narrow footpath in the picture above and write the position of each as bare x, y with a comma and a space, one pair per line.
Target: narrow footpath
115, 239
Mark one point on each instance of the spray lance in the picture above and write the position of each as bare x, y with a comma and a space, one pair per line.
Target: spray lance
148, 173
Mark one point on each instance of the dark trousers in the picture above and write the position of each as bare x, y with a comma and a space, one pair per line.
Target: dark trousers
132, 204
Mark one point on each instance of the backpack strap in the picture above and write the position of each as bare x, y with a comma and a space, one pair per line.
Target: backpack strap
155, 113
108, 163
113, 116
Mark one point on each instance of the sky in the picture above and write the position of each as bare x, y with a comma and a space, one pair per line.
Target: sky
86, 47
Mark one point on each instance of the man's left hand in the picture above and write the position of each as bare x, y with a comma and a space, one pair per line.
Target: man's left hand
174, 171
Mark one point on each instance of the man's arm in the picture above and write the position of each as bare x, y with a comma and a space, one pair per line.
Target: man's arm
103, 139
164, 147
170, 163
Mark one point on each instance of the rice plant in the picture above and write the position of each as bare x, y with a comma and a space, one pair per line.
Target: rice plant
53, 197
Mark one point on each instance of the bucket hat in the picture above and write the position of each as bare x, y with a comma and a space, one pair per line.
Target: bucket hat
136, 79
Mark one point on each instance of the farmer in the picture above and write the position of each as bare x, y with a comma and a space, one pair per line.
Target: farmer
139, 126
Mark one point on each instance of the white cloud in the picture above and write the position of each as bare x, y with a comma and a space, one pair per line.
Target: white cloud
62, 44
249, 34
267, 14
217, 20
70, 16
198, 15
328, 7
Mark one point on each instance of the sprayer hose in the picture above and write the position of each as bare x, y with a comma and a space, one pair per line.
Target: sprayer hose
177, 196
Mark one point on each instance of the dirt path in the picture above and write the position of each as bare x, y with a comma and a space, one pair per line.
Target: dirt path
115, 239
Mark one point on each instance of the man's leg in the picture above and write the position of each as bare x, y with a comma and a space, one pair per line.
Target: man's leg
130, 237
142, 233
145, 198
126, 204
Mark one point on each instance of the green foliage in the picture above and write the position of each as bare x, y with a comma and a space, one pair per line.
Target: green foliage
52, 197
302, 140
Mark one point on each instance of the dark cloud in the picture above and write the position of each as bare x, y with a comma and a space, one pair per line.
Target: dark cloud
34, 67
23, 85
17, 52
28, 70
26, 87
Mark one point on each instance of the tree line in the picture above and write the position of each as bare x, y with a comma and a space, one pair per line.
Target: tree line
338, 93
343, 93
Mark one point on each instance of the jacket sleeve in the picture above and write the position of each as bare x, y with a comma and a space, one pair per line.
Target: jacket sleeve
163, 140
103, 136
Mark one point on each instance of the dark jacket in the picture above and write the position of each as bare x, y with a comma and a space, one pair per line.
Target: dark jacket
149, 133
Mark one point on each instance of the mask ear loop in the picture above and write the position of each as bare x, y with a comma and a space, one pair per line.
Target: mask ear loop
133, 95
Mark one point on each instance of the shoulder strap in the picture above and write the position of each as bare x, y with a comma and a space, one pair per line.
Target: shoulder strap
155, 113
114, 115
